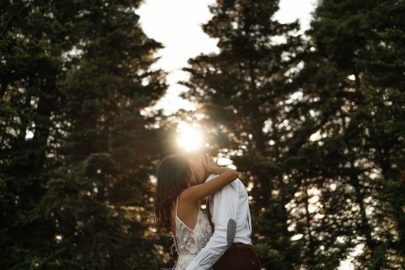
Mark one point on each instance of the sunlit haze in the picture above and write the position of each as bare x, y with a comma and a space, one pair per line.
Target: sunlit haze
178, 28
189, 137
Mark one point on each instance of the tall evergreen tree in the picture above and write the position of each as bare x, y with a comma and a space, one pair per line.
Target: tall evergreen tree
76, 194
31, 47
342, 88
243, 91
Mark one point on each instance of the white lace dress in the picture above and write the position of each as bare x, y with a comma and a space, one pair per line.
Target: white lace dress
190, 242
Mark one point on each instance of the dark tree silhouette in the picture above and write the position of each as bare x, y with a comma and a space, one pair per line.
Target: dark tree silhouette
76, 153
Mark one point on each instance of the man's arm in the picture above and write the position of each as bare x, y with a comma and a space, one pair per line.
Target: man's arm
224, 211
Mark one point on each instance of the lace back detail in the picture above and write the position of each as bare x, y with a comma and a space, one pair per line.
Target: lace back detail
191, 241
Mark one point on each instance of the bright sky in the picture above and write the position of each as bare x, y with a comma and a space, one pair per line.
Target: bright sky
177, 24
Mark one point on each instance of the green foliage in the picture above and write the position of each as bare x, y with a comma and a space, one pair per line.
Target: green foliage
76, 155
243, 89
315, 126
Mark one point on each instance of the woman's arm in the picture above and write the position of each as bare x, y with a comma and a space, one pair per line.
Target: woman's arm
225, 176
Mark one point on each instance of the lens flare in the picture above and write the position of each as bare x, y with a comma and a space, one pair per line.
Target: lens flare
189, 137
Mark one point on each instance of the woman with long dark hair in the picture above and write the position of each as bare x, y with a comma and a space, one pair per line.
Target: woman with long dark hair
177, 202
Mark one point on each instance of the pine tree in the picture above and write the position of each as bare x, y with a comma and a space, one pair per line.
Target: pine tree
243, 91
77, 195
31, 45
342, 92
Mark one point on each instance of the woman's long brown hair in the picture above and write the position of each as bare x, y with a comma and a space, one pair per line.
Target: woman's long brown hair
172, 178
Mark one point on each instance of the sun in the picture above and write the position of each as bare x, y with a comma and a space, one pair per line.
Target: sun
189, 137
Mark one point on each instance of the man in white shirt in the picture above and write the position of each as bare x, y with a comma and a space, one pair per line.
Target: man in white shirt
230, 246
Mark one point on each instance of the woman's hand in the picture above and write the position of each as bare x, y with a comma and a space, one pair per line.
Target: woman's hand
211, 166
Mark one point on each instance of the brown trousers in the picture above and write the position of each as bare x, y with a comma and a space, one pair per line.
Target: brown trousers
238, 257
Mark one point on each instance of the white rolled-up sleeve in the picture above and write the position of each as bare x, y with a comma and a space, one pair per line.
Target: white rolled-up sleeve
223, 209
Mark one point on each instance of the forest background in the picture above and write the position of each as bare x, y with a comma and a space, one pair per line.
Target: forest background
313, 120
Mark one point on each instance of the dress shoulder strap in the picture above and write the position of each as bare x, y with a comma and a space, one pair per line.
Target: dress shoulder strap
175, 235
177, 202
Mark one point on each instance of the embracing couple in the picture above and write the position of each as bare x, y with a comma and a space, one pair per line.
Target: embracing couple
218, 237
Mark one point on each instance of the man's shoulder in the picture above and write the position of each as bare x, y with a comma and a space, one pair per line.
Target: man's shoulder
212, 176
